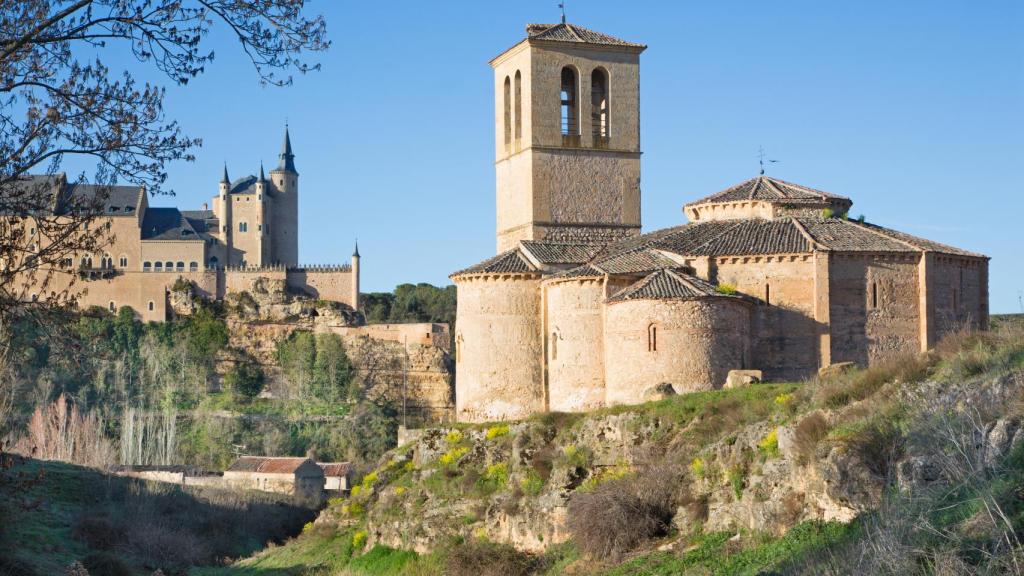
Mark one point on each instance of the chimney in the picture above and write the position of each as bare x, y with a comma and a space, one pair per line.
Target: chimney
206, 206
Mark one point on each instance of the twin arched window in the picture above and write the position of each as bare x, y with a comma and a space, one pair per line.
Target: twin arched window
513, 112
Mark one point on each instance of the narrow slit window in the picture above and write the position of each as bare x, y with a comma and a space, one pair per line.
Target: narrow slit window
652, 338
767, 294
599, 103
874, 295
570, 115
554, 345
150, 305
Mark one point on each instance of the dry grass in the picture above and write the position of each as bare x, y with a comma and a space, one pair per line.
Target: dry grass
482, 558
811, 430
856, 385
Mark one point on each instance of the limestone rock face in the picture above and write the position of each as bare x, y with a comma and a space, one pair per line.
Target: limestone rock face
659, 392
836, 369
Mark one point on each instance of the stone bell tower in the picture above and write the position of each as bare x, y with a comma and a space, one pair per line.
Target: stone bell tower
567, 138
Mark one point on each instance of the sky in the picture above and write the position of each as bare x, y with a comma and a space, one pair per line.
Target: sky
914, 109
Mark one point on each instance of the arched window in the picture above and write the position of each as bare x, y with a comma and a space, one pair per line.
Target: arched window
159, 266
111, 306
570, 112
147, 267
507, 98
150, 305
169, 266
652, 338
214, 261
599, 103
193, 266
519, 106
124, 261
180, 266
243, 226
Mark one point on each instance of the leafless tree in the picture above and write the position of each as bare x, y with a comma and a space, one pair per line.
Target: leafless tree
58, 100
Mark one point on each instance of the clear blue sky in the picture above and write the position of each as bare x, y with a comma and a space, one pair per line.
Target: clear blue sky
913, 109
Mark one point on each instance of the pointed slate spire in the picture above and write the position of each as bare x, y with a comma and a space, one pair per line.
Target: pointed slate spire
224, 179
356, 253
287, 163
262, 177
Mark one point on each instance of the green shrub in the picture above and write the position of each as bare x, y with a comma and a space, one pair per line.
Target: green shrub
453, 455
827, 213
769, 445
737, 477
697, 468
245, 379
453, 437
105, 564
497, 431
383, 561
531, 484
494, 478
359, 539
575, 457
727, 289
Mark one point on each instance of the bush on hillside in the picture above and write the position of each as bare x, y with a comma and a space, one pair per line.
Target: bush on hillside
483, 558
618, 515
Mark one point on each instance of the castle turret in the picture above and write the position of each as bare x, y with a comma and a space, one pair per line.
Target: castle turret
225, 182
284, 222
355, 277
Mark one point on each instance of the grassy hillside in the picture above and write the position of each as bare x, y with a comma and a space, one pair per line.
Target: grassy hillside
53, 514
927, 452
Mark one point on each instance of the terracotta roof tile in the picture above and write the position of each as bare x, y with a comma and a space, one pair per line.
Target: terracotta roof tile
335, 468
843, 235
560, 252
920, 243
509, 262
755, 236
767, 188
266, 464
565, 32
667, 284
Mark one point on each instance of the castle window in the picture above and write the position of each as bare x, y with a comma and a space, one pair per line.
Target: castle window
599, 103
124, 261
243, 226
169, 266
180, 266
129, 209
214, 262
150, 305
519, 106
159, 266
874, 295
111, 306
652, 338
146, 266
570, 112
767, 295
259, 227
193, 266
35, 297
507, 105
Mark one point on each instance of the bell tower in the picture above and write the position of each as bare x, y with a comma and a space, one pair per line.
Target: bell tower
567, 138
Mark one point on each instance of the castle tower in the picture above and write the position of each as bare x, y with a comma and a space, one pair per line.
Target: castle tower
567, 139
284, 221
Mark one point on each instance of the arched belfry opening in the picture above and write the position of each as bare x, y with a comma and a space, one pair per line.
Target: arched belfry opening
518, 107
599, 104
508, 113
569, 100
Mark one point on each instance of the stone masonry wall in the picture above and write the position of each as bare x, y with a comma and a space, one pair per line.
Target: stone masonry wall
575, 346
697, 342
874, 304
784, 334
498, 349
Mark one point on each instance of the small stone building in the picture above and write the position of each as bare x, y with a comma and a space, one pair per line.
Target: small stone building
284, 475
580, 310
337, 475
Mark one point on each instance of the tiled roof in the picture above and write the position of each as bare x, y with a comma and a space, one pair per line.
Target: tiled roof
585, 271
335, 468
667, 284
244, 185
755, 236
566, 32
560, 252
510, 262
846, 236
767, 188
635, 262
167, 224
919, 243
266, 464
198, 219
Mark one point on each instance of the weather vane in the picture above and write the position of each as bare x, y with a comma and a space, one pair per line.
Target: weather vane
762, 158
562, 6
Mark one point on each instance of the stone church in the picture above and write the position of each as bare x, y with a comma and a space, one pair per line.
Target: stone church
252, 232
580, 310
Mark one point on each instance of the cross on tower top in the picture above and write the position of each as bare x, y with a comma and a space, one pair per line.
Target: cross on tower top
762, 158
562, 6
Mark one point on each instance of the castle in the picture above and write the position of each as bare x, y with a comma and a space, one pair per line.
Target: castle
580, 310
252, 232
